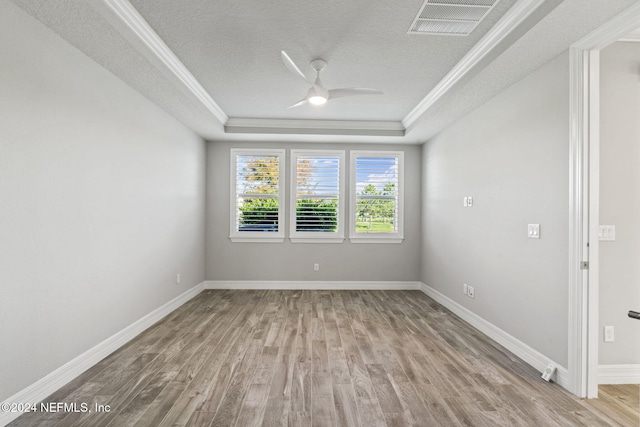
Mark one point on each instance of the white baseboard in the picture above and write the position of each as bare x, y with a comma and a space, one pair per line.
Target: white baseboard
619, 374
311, 284
42, 388
517, 347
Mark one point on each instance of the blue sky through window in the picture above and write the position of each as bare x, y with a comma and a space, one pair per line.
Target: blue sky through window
376, 171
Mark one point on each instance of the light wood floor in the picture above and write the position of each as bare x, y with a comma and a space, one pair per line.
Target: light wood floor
321, 358
621, 402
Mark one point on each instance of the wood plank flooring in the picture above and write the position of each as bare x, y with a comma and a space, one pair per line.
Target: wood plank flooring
621, 402
318, 358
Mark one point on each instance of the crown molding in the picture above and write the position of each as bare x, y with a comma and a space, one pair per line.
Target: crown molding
633, 37
619, 28
505, 26
314, 127
131, 25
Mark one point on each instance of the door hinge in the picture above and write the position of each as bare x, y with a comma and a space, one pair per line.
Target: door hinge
584, 265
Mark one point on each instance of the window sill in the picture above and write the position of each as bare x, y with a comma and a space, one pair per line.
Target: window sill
236, 239
316, 240
376, 239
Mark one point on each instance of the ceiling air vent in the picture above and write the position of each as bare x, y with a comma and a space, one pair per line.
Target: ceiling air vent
450, 17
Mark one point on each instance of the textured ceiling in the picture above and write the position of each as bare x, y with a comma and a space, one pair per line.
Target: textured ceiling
562, 27
77, 22
232, 48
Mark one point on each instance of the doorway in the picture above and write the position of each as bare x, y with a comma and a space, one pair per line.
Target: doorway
619, 210
584, 291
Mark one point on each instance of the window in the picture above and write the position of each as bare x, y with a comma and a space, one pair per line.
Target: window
317, 187
376, 208
257, 196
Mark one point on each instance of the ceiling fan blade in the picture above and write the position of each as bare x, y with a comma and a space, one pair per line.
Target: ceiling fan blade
351, 91
299, 103
293, 67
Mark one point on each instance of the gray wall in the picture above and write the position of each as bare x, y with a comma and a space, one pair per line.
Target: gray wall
511, 155
294, 261
620, 201
101, 203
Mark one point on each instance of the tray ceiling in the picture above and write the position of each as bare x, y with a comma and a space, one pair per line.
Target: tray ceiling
212, 64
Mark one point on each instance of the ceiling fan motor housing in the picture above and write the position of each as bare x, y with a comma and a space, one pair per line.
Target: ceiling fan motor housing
318, 64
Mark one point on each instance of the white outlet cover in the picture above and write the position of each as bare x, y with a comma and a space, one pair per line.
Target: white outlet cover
609, 334
533, 231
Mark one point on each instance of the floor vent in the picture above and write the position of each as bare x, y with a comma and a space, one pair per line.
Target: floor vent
450, 17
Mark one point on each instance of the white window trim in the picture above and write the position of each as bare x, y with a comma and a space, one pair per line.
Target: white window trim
316, 237
256, 236
355, 237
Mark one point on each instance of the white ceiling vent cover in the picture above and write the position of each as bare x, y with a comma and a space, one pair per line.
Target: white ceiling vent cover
450, 17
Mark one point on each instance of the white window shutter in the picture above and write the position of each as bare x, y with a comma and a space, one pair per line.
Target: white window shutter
257, 196
317, 193
377, 197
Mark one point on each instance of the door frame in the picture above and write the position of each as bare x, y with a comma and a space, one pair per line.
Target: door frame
584, 191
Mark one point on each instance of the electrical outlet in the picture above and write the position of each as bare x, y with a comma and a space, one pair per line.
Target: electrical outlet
608, 334
465, 288
465, 202
178, 279
471, 292
316, 267
470, 201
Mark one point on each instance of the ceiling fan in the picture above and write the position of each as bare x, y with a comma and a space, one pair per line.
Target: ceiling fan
317, 93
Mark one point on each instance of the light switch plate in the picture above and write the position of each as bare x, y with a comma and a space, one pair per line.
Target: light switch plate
607, 233
533, 231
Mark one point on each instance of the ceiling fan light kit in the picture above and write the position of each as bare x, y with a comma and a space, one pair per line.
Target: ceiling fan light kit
317, 99
317, 93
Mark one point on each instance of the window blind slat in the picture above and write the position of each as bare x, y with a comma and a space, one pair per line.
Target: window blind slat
376, 198
317, 192
257, 193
